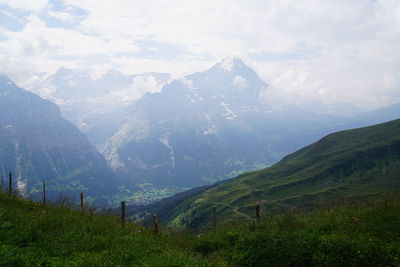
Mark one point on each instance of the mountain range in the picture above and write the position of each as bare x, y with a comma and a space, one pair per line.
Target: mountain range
204, 127
196, 130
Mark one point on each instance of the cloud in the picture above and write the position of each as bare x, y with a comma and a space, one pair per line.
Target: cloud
296, 87
139, 86
61, 15
35, 5
391, 84
45, 49
310, 49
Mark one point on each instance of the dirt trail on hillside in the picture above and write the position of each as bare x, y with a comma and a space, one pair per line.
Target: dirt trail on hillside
235, 209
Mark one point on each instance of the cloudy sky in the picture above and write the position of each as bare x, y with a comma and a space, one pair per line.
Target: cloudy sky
307, 50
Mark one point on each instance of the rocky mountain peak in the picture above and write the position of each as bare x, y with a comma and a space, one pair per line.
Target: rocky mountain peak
230, 63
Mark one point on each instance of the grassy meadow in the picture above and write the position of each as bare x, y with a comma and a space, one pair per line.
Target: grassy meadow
366, 234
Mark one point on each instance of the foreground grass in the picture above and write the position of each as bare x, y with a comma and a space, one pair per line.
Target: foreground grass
344, 236
31, 235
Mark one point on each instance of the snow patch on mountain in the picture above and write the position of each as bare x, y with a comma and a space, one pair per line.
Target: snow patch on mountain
188, 83
165, 141
212, 128
227, 64
240, 82
229, 114
128, 131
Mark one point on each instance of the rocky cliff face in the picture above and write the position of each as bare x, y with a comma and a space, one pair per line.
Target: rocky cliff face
37, 144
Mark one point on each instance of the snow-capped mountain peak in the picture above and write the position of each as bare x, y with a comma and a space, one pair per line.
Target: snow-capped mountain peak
230, 63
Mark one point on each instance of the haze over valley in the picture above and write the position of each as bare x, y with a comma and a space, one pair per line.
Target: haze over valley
187, 132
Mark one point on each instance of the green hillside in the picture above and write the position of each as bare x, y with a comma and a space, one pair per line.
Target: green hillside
368, 235
32, 235
353, 164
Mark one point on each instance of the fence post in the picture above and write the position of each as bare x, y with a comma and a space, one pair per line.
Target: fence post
257, 211
123, 213
44, 193
81, 202
10, 183
155, 222
214, 208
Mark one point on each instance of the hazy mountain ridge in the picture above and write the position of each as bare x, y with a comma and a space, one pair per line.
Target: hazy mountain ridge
200, 121
37, 144
212, 125
74, 84
85, 96
201, 128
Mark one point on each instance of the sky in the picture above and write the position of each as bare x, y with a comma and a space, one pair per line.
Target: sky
306, 50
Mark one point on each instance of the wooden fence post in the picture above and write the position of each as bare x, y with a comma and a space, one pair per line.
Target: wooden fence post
10, 184
214, 217
44, 193
258, 212
123, 213
155, 222
81, 195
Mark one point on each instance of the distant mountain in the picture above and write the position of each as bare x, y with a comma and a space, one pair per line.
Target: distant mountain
208, 126
69, 85
85, 97
204, 127
387, 113
336, 108
356, 163
37, 144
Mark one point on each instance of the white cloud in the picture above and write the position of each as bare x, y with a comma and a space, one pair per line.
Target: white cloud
44, 49
296, 87
61, 15
389, 80
28, 5
337, 50
140, 85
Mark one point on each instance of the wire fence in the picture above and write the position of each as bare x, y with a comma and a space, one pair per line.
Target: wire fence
85, 208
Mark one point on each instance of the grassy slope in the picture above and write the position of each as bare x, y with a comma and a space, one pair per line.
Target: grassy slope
354, 163
343, 236
31, 235
367, 235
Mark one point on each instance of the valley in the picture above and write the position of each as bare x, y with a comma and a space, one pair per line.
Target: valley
196, 130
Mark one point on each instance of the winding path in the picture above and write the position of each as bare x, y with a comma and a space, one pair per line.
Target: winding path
235, 209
